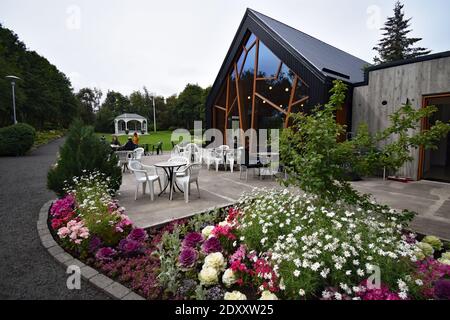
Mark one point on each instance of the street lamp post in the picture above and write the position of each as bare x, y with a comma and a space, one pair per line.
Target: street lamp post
13, 84
154, 114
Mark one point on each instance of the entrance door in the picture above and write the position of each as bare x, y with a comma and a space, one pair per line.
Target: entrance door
436, 163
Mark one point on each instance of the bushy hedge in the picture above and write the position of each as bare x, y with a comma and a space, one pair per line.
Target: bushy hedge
17, 139
83, 152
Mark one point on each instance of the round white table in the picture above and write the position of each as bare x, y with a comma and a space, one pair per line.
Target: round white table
169, 169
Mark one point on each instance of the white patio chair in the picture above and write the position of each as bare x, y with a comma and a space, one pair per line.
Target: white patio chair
179, 159
176, 152
239, 154
208, 157
190, 175
138, 153
219, 156
145, 175
193, 153
230, 159
124, 157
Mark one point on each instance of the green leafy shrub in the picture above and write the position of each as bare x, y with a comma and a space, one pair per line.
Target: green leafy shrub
83, 152
17, 139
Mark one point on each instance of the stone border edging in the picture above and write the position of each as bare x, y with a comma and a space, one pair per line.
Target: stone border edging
110, 287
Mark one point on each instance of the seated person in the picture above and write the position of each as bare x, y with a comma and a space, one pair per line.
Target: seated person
136, 139
115, 141
129, 146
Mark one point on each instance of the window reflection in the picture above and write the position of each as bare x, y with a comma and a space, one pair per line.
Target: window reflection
268, 63
278, 90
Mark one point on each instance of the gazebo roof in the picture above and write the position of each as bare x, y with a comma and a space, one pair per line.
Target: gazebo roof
130, 116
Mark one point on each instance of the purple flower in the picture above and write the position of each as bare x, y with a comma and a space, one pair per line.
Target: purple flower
192, 239
187, 257
95, 244
105, 254
130, 247
138, 234
442, 289
211, 245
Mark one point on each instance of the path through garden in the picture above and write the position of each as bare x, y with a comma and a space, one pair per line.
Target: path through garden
28, 271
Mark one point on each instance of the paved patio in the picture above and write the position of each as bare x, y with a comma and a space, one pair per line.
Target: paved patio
217, 189
430, 200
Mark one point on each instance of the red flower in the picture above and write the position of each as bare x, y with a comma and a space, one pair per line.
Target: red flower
224, 231
57, 223
232, 214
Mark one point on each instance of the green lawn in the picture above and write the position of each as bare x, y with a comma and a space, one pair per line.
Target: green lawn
151, 138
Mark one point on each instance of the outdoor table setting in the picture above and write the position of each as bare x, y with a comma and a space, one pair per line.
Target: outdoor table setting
170, 170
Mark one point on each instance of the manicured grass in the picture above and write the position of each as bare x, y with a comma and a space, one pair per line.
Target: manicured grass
44, 137
151, 138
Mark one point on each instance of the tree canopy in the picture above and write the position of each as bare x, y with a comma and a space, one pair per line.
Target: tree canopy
44, 98
395, 44
173, 112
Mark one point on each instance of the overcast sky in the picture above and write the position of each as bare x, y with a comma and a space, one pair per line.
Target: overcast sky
124, 45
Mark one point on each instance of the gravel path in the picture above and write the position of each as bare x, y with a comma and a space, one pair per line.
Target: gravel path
27, 271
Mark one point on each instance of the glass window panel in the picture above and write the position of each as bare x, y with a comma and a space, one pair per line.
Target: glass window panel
267, 117
275, 91
268, 63
249, 66
241, 60
250, 41
286, 75
246, 87
233, 74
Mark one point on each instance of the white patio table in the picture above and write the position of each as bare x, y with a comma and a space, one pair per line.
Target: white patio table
169, 169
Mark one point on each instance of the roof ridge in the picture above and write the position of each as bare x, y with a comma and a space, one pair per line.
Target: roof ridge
259, 13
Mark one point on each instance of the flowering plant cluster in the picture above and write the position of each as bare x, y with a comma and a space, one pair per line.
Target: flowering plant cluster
271, 245
212, 263
89, 222
325, 250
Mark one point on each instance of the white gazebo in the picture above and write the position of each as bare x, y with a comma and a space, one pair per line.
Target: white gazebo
131, 122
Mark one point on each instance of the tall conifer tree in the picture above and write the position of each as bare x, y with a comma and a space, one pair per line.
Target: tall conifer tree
395, 44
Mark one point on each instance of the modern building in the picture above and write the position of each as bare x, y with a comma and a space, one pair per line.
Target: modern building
422, 81
271, 70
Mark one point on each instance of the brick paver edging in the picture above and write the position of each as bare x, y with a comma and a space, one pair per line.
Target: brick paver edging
110, 287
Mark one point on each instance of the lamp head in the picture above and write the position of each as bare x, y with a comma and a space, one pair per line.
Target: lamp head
12, 78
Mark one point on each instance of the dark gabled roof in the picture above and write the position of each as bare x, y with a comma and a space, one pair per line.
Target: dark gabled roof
329, 60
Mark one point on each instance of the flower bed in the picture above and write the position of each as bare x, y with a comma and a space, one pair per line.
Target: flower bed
272, 245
